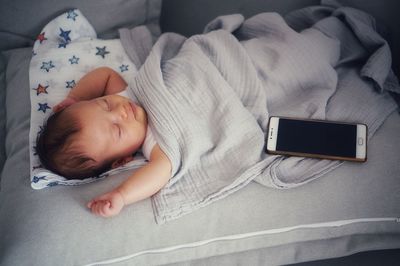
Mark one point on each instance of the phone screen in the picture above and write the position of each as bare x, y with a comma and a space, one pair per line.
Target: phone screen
317, 138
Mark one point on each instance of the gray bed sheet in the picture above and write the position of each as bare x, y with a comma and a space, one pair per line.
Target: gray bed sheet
2, 113
354, 208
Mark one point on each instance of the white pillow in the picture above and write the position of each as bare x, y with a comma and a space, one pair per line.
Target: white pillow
65, 50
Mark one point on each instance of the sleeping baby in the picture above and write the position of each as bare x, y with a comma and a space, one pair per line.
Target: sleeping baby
98, 127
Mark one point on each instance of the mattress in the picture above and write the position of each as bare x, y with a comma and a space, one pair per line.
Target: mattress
354, 208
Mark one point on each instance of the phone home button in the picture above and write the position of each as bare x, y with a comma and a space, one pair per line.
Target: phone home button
360, 141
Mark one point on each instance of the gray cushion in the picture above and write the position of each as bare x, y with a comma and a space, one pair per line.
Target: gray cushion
2, 112
21, 20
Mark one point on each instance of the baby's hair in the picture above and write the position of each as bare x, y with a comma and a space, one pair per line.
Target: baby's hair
53, 146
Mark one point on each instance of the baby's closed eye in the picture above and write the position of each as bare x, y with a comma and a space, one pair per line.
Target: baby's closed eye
118, 129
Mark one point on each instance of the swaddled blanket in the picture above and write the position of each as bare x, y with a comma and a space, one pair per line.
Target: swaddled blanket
209, 97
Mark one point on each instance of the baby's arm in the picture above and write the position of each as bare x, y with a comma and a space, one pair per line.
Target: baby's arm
99, 82
143, 183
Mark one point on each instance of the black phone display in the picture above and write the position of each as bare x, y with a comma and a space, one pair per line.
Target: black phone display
316, 138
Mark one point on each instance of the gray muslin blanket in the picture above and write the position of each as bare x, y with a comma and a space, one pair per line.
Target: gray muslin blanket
209, 97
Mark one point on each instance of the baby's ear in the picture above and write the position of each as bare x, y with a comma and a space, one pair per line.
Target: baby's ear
121, 161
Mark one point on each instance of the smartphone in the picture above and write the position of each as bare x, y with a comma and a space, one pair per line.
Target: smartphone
317, 139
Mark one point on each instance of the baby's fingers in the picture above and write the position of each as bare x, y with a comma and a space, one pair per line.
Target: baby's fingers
65, 103
60, 107
101, 208
90, 204
57, 108
98, 208
106, 210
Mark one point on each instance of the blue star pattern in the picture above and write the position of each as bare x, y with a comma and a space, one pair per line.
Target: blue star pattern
123, 68
63, 44
43, 107
70, 84
41, 128
102, 51
65, 35
47, 65
36, 179
52, 184
72, 14
74, 60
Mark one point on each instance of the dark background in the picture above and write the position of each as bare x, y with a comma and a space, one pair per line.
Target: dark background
197, 13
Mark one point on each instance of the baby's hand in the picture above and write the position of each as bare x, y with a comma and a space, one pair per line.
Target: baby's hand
107, 205
64, 104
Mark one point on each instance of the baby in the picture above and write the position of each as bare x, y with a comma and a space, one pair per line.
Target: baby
97, 128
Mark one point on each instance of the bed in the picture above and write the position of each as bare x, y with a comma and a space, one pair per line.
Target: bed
352, 209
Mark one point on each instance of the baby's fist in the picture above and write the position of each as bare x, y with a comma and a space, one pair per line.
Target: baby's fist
107, 205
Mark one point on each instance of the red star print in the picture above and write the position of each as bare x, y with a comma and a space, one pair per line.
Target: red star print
41, 37
41, 89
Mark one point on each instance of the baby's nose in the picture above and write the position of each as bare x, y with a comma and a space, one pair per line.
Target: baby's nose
121, 112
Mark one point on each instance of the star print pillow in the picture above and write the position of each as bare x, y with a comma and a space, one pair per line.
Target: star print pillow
65, 50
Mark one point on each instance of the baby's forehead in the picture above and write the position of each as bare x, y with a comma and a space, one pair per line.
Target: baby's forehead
84, 115
82, 108
85, 143
82, 104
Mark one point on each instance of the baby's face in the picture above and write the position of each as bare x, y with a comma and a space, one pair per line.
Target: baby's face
113, 127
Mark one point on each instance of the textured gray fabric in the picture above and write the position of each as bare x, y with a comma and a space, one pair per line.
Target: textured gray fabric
2, 113
190, 17
209, 97
137, 42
